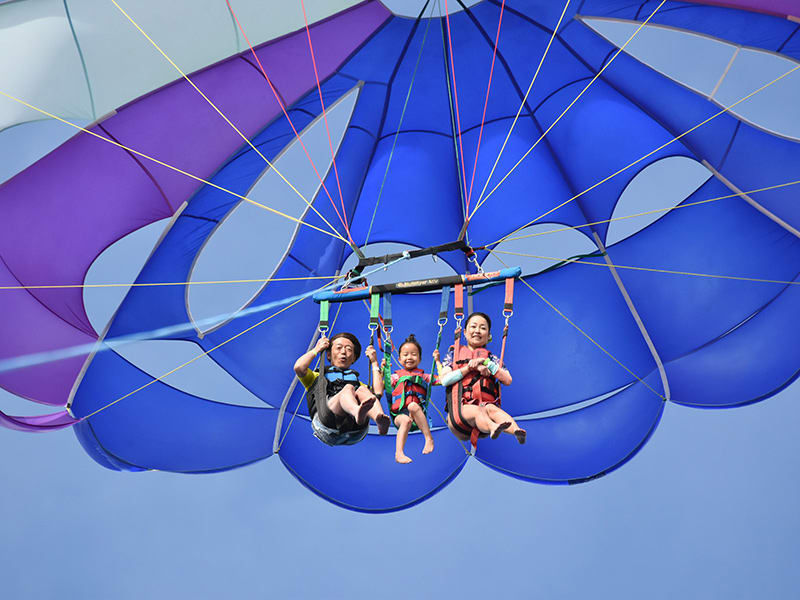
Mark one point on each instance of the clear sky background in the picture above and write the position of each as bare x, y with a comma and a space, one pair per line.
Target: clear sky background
707, 509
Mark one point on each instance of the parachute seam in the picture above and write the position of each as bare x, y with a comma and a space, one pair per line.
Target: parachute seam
634, 176
736, 326
50, 310
676, 138
281, 99
354, 508
405, 105
100, 336
146, 171
641, 214
364, 129
564, 112
726, 109
744, 196
730, 144
446, 65
387, 99
582, 332
636, 317
531, 113
295, 232
559, 89
83, 61
788, 39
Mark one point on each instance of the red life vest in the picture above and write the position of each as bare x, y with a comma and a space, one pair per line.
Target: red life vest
408, 388
477, 389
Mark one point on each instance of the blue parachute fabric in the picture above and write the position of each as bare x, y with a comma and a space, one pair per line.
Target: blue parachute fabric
582, 444
162, 428
719, 374
722, 342
698, 239
365, 477
738, 26
553, 364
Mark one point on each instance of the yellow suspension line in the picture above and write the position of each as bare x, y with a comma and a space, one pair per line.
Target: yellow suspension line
675, 139
176, 169
156, 284
586, 335
522, 105
207, 99
641, 214
588, 85
206, 353
652, 270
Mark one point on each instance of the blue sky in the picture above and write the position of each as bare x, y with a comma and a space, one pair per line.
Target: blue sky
707, 509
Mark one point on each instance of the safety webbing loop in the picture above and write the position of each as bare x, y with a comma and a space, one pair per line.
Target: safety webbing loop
387, 314
323, 316
458, 290
374, 312
508, 305
386, 368
443, 308
508, 311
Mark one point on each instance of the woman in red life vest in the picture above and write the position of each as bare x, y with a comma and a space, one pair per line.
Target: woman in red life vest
409, 398
477, 373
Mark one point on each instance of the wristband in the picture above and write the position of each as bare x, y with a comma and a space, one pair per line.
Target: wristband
492, 366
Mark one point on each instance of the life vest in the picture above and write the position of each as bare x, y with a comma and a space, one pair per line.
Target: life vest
410, 387
474, 388
338, 378
477, 389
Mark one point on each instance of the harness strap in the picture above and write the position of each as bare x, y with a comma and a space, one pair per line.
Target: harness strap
456, 415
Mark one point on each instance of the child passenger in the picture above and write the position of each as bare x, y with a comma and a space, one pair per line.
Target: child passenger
342, 417
409, 399
479, 372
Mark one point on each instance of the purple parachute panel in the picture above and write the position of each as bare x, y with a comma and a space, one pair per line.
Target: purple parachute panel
781, 8
87, 194
38, 424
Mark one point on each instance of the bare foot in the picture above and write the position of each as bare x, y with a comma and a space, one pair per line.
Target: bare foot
521, 435
363, 409
428, 446
383, 425
499, 429
402, 458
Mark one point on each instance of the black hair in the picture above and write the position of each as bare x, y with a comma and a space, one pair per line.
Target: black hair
479, 314
347, 336
411, 339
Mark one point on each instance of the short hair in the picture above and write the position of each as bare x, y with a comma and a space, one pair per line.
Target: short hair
347, 336
479, 314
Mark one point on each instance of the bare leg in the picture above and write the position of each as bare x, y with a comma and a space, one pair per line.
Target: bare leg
403, 423
479, 417
345, 402
375, 410
497, 414
418, 415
